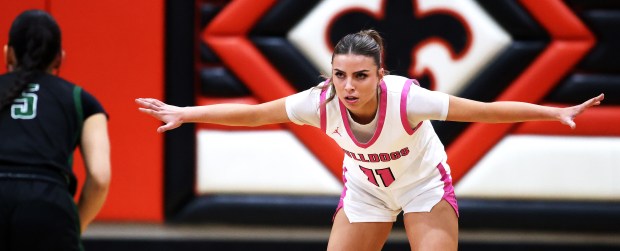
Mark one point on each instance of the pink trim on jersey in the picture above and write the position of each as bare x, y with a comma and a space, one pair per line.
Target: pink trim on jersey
344, 192
323, 107
403, 107
448, 189
382, 111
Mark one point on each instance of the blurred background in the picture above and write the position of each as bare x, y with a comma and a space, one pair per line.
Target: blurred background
525, 186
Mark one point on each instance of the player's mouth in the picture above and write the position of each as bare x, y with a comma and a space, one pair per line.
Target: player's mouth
351, 99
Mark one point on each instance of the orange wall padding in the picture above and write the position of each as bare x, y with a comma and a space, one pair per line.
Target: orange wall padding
115, 50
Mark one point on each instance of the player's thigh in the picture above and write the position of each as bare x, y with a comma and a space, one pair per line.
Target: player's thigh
434, 230
357, 236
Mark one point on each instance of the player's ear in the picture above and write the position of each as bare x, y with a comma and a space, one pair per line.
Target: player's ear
381, 73
58, 60
9, 58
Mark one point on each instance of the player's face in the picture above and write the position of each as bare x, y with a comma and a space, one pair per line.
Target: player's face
356, 79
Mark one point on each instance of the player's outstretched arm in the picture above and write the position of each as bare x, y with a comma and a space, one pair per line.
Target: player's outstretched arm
465, 110
272, 112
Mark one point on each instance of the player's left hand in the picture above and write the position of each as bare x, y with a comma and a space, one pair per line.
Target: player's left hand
569, 113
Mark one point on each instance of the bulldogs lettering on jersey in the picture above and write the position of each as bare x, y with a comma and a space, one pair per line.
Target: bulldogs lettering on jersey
396, 150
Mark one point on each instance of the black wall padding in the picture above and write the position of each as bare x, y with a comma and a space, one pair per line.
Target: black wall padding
581, 87
566, 216
424, 81
221, 83
207, 12
282, 17
593, 4
293, 66
603, 58
260, 209
514, 19
179, 152
234, 243
207, 55
475, 214
448, 131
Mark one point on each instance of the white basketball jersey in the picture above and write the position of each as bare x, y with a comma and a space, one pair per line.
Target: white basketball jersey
398, 153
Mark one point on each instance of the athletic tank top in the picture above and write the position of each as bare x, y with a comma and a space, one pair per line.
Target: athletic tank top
397, 153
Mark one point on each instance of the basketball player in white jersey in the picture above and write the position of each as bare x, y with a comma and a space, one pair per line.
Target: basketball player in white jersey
393, 160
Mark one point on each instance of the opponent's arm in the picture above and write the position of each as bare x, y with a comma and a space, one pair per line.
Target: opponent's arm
223, 114
465, 110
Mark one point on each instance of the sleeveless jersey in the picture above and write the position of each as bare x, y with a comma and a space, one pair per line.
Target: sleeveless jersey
398, 153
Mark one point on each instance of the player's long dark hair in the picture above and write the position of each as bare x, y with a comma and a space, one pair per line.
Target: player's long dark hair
366, 43
35, 39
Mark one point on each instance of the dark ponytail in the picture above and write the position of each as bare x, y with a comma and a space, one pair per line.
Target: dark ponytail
35, 39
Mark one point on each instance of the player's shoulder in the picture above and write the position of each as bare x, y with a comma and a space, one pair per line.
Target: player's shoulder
46, 81
394, 83
7, 77
56, 80
394, 79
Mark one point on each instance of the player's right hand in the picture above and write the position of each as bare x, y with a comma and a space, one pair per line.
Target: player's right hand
169, 114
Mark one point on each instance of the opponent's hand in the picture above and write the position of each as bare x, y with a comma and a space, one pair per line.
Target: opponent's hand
169, 114
569, 113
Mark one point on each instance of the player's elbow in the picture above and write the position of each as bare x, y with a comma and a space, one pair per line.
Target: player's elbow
100, 177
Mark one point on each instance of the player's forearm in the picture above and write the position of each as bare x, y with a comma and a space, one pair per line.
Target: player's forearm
509, 112
272, 112
91, 201
466, 110
221, 114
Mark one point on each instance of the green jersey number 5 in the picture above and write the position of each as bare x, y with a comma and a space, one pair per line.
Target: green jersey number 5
25, 106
